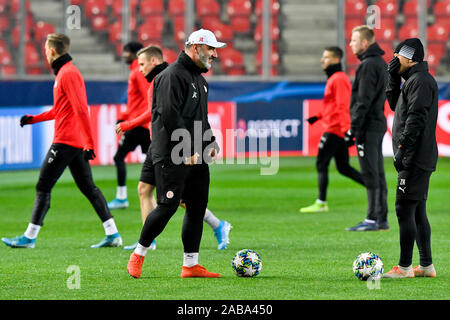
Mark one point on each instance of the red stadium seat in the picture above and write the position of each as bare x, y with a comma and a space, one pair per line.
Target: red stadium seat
432, 59
178, 29
15, 6
32, 57
350, 23
95, 7
275, 57
151, 8
147, 33
42, 29
176, 8
36, 70
275, 34
442, 8
16, 36
437, 34
259, 7
100, 23
7, 70
206, 8
115, 32
5, 57
239, 13
411, 7
210, 22
437, 49
3, 6
223, 33
169, 55
355, 8
4, 23
406, 32
388, 48
231, 61
388, 8
443, 21
156, 22
116, 6
387, 30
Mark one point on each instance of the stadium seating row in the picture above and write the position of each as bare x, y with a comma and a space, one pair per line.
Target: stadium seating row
398, 20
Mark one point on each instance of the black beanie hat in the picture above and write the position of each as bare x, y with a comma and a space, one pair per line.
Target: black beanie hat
411, 49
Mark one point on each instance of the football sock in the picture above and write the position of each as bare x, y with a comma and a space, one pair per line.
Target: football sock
211, 219
427, 268
321, 201
32, 231
190, 259
121, 192
369, 221
110, 227
141, 250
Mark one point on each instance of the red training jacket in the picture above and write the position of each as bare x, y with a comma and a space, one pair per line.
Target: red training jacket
137, 93
70, 110
336, 104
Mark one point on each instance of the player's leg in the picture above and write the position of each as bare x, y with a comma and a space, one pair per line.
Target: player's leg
169, 187
382, 222
196, 199
342, 160
326, 152
406, 211
368, 159
221, 228
146, 193
127, 143
54, 164
82, 174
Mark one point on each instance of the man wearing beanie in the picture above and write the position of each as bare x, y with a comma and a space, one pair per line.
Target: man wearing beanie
335, 117
415, 153
368, 125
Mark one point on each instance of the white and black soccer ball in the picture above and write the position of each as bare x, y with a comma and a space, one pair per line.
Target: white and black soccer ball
368, 265
247, 263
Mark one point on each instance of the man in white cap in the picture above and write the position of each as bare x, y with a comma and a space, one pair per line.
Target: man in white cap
182, 147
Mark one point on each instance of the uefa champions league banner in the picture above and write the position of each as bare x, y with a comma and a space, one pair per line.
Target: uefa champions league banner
312, 133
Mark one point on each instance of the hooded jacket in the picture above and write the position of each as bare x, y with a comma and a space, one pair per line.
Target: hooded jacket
180, 101
368, 94
416, 109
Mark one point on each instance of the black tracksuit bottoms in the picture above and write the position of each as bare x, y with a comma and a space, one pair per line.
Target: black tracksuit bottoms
175, 183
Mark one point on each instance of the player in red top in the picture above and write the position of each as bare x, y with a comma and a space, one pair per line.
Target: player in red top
336, 120
136, 133
72, 146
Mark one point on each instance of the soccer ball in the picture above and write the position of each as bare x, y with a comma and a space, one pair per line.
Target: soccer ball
368, 265
247, 263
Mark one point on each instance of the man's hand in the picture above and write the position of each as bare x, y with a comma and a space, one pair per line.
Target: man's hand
25, 120
190, 161
89, 154
212, 155
393, 67
118, 129
349, 138
398, 159
311, 120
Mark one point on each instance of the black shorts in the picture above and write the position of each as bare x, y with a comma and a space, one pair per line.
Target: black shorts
148, 170
188, 184
138, 136
413, 184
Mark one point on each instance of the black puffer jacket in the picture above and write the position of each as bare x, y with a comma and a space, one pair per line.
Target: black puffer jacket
180, 101
416, 110
368, 94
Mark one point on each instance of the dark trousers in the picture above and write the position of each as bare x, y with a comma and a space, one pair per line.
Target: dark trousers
175, 183
410, 206
128, 142
59, 157
371, 161
333, 146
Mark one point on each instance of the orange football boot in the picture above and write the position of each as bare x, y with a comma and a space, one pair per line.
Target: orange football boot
396, 273
421, 272
198, 271
134, 266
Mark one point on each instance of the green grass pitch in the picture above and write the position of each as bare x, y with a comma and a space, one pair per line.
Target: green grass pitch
305, 256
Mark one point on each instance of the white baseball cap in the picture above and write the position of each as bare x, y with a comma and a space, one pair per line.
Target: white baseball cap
204, 36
